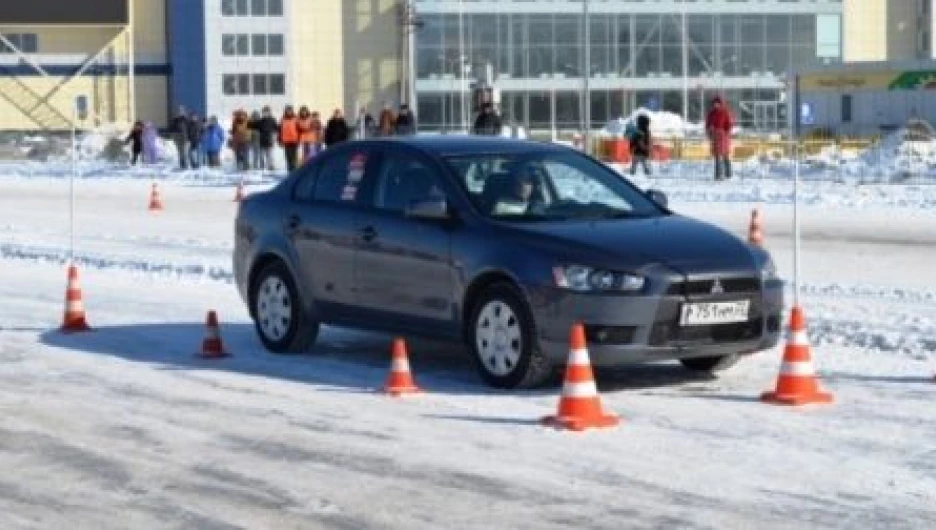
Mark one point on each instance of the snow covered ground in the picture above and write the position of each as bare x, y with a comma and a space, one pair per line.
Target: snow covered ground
125, 428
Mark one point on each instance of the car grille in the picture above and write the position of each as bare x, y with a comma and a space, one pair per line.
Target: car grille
704, 287
611, 335
672, 334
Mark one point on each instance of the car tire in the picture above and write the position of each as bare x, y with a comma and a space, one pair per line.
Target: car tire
280, 317
508, 355
713, 364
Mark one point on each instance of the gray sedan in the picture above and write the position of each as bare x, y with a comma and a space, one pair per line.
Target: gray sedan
502, 245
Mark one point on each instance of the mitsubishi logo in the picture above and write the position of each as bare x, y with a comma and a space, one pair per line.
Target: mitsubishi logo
717, 287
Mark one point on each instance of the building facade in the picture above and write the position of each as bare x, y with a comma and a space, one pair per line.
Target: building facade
113, 52
663, 54
888, 30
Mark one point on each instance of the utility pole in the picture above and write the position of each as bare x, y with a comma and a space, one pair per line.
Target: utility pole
685, 63
586, 77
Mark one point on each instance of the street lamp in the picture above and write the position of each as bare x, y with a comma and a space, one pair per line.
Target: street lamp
411, 24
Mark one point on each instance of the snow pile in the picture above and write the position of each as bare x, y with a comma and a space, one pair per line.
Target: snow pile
899, 156
663, 124
95, 144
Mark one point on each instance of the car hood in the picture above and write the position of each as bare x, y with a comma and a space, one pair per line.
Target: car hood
680, 243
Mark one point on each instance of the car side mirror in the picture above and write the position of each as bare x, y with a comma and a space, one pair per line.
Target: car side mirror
428, 210
658, 197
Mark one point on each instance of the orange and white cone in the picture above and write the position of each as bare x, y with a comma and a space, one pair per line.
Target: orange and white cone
74, 319
798, 383
155, 204
212, 348
580, 406
756, 230
239, 193
400, 381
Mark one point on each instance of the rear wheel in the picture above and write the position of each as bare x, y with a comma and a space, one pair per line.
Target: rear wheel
710, 364
280, 317
503, 340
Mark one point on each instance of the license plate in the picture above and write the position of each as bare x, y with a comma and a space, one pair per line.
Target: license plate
707, 313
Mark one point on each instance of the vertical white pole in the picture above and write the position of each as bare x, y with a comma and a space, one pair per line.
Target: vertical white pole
552, 113
461, 66
796, 178
131, 52
71, 185
685, 62
586, 69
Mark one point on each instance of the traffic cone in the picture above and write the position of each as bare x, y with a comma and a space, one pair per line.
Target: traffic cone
74, 320
797, 383
580, 406
155, 204
400, 381
756, 231
212, 348
239, 194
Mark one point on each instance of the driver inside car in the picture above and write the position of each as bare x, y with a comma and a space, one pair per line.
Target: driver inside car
524, 196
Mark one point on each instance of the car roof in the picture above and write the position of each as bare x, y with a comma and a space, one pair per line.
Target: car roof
453, 145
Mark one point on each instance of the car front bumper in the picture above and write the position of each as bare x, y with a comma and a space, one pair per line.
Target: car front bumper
624, 329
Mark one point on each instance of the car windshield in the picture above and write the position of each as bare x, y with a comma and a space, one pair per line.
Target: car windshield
548, 186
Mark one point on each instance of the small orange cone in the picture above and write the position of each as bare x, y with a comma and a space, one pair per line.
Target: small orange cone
155, 204
580, 406
756, 231
212, 348
74, 320
797, 384
400, 381
239, 194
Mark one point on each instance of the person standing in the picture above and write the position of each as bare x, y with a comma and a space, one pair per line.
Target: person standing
718, 125
488, 123
364, 125
194, 129
178, 128
255, 152
240, 140
306, 135
405, 124
641, 145
289, 137
266, 131
212, 142
318, 133
150, 136
336, 131
386, 121
135, 139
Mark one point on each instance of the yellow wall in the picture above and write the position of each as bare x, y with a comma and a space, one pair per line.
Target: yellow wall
149, 20
863, 30
372, 46
315, 53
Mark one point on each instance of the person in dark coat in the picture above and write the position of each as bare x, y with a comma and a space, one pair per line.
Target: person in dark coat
405, 122
195, 127
336, 131
718, 125
178, 129
488, 123
267, 130
135, 139
641, 144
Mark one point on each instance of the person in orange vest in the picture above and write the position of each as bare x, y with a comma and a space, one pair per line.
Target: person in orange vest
289, 137
317, 133
305, 133
386, 121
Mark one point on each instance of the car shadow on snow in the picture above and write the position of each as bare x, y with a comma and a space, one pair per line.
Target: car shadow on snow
341, 360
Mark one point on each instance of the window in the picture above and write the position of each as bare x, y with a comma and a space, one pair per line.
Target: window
234, 8
846, 108
277, 84
243, 83
275, 44
24, 42
340, 177
256, 8
261, 85
229, 84
404, 179
275, 8
305, 187
259, 45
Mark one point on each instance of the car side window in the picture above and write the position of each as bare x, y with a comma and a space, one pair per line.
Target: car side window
340, 177
305, 183
403, 179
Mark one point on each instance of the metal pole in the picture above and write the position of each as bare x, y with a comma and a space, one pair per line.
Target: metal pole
411, 51
796, 178
586, 97
461, 66
71, 185
685, 63
552, 113
132, 60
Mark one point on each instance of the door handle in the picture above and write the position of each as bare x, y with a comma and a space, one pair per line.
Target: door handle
292, 222
368, 234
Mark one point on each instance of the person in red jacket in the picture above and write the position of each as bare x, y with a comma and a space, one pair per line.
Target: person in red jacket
718, 127
289, 137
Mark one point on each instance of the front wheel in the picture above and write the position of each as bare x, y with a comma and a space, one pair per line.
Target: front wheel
503, 340
279, 315
712, 364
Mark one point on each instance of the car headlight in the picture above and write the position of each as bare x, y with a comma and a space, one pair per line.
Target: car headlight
769, 270
588, 279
